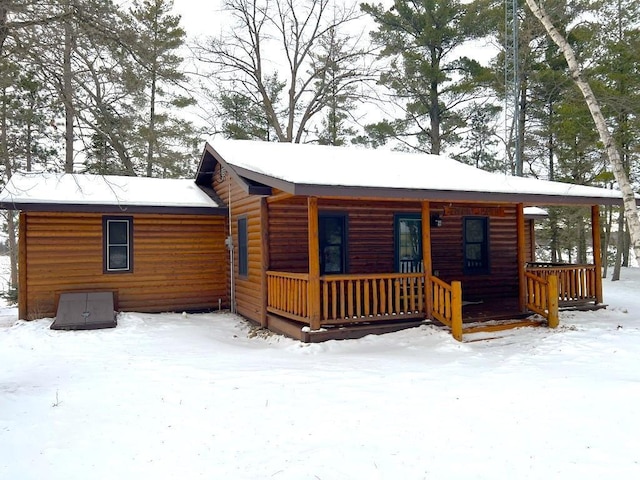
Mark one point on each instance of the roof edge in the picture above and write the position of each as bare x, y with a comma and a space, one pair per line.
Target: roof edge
101, 208
450, 195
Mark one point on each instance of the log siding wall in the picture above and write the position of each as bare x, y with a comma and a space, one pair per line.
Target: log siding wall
370, 243
248, 290
179, 262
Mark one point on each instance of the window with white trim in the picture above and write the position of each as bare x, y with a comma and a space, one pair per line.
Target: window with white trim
118, 244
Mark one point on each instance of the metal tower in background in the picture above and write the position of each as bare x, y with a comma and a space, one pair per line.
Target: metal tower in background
512, 87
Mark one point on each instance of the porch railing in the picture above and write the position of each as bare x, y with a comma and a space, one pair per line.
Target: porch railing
348, 298
576, 283
447, 305
541, 296
287, 295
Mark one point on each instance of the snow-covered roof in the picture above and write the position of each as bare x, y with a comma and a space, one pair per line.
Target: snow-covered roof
68, 192
535, 212
308, 169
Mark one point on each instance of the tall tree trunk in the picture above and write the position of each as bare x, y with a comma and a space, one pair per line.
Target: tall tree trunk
152, 124
553, 241
434, 116
625, 247
29, 136
12, 244
67, 93
607, 238
522, 118
581, 254
615, 161
4, 29
615, 275
152, 101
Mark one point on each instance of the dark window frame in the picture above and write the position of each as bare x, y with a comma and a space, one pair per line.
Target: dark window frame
243, 246
485, 267
397, 218
107, 245
344, 218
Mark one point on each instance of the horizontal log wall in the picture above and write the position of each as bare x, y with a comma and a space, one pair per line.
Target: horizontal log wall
529, 241
248, 289
448, 259
370, 242
178, 262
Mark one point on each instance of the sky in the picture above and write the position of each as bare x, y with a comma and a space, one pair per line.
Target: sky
199, 17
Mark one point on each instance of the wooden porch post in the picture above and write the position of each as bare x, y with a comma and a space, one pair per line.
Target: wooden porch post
313, 292
456, 310
597, 250
552, 297
22, 267
264, 245
426, 259
521, 256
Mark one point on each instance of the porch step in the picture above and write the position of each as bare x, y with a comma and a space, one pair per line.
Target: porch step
500, 325
299, 331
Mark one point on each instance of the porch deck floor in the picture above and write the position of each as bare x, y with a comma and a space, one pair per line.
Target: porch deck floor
509, 309
494, 309
488, 315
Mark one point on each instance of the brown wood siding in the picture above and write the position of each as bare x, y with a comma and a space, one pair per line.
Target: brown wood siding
448, 258
529, 240
248, 291
178, 262
288, 230
370, 242
370, 235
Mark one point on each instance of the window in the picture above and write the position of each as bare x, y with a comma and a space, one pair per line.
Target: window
243, 247
332, 230
476, 245
408, 239
118, 244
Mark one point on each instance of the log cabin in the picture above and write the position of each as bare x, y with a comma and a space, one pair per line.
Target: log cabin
333, 242
313, 242
157, 244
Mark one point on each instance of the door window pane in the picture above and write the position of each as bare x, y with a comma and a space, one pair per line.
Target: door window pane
332, 231
476, 245
409, 243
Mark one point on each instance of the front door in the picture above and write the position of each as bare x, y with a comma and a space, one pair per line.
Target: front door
332, 230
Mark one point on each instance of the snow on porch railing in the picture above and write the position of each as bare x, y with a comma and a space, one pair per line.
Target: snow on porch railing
542, 297
447, 305
576, 283
287, 295
371, 297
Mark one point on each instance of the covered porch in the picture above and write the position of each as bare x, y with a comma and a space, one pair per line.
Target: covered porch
322, 303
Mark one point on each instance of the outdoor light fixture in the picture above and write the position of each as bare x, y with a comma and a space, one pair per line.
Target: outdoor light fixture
436, 220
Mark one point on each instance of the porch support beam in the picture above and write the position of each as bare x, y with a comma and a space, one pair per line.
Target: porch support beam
521, 253
279, 197
597, 250
23, 308
313, 292
264, 246
426, 259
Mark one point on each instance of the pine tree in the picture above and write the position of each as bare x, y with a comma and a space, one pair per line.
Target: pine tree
161, 89
430, 77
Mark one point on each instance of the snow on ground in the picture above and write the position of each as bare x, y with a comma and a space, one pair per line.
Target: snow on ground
207, 396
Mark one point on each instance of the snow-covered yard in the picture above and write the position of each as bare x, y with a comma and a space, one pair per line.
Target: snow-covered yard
207, 396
